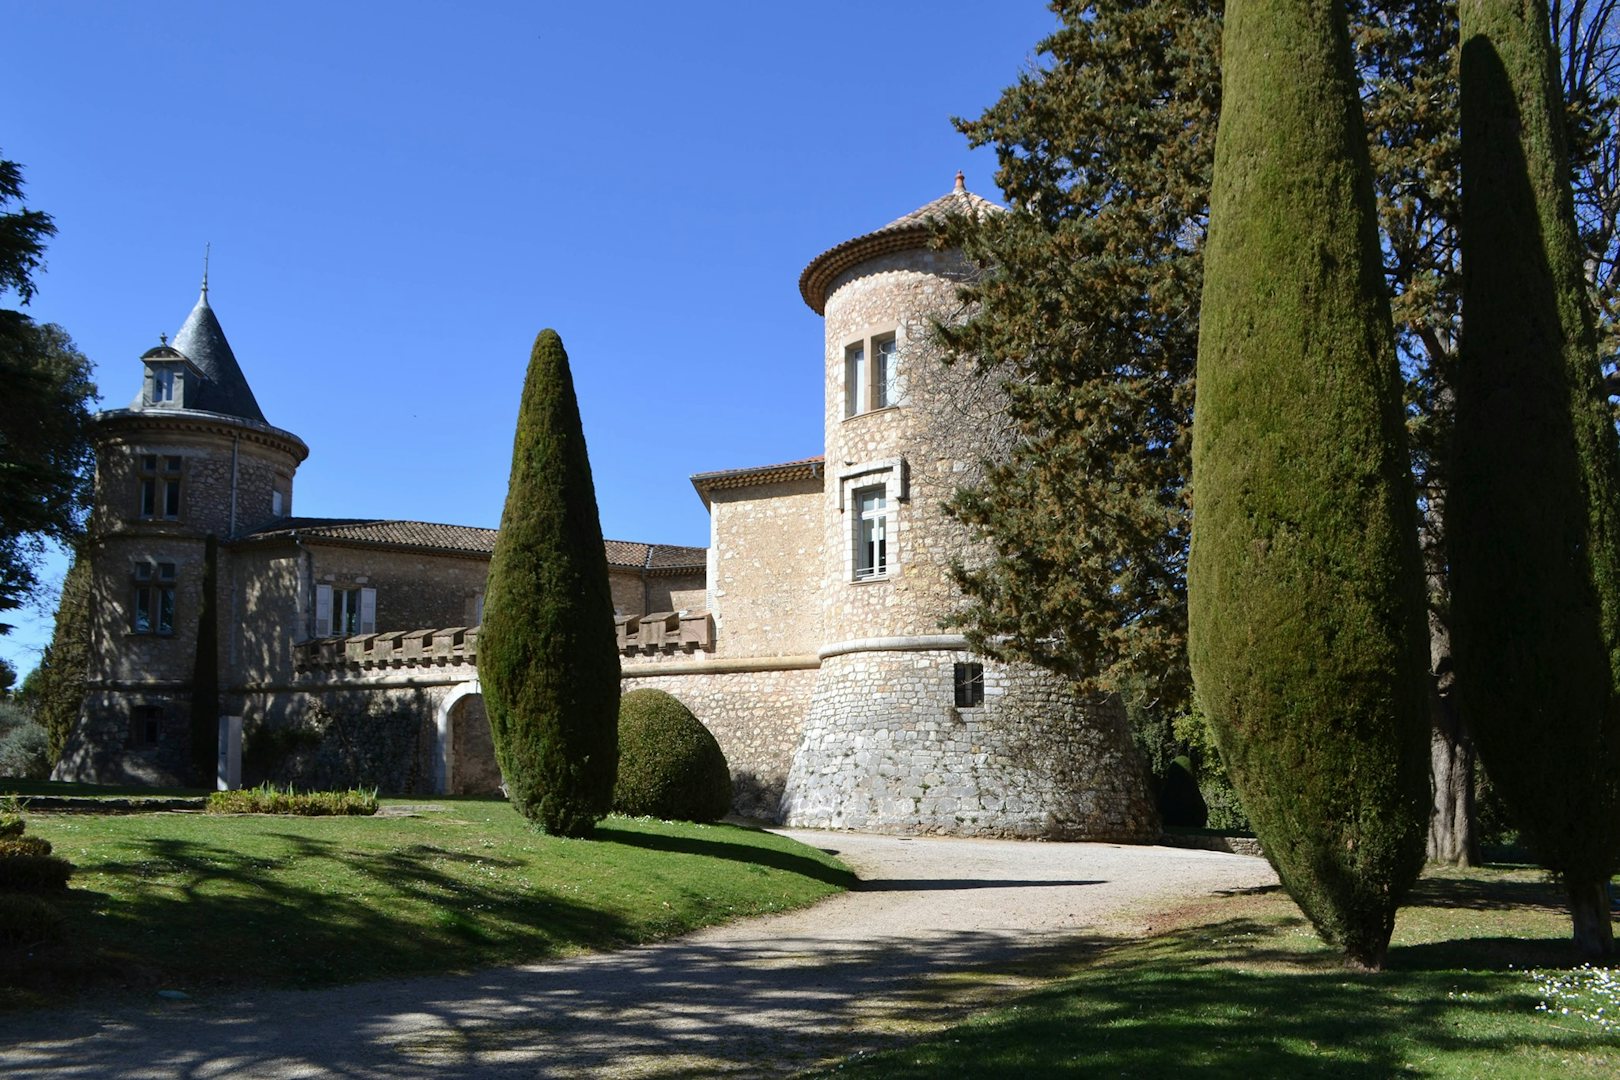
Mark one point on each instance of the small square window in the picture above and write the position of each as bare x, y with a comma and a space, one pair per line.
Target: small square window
969, 679
145, 725
166, 571
143, 571
149, 463
172, 464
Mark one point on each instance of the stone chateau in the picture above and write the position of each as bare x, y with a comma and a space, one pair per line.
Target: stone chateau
811, 636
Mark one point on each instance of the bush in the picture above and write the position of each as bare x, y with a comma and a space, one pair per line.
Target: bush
28, 920
24, 845
25, 752
11, 824
269, 799
669, 765
34, 873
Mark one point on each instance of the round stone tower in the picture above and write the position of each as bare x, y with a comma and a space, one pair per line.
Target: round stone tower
191, 457
908, 731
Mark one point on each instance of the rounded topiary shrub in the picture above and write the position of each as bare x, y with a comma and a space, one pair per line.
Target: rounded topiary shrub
28, 920
34, 873
669, 764
24, 845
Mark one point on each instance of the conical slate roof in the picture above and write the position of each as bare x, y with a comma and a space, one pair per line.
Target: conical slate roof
224, 389
909, 231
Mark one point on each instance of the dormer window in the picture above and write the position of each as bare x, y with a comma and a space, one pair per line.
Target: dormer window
163, 381
170, 379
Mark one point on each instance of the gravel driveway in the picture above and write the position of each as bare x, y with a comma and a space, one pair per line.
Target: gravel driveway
936, 927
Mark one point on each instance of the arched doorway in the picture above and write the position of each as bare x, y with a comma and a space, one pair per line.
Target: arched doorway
466, 749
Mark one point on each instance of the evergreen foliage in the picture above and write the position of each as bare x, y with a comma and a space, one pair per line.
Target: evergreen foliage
55, 689
547, 654
1308, 641
1089, 306
1535, 503
1089, 294
45, 454
670, 766
205, 673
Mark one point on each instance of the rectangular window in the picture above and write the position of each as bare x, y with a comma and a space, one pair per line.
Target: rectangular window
855, 377
969, 685
871, 534
145, 725
275, 503
162, 384
344, 612
886, 379
153, 609
160, 497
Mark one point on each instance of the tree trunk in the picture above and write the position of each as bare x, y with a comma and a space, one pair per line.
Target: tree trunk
1589, 910
1453, 837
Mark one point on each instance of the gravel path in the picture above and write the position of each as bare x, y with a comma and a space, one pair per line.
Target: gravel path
937, 926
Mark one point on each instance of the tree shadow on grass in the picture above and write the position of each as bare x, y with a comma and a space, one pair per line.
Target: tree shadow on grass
213, 916
724, 849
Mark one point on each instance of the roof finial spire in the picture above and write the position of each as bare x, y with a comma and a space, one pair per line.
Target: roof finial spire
207, 247
960, 181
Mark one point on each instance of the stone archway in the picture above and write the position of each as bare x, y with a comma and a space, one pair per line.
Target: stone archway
466, 759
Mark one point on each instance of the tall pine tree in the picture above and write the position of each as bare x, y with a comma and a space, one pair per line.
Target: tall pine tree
1535, 504
548, 659
1308, 643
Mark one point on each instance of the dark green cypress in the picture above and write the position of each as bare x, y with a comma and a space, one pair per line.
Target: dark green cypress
1307, 636
547, 655
205, 674
1535, 502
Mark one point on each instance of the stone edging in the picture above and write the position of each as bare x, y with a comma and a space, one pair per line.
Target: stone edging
1234, 845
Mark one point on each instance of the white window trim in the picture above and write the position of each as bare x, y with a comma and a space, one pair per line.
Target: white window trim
892, 475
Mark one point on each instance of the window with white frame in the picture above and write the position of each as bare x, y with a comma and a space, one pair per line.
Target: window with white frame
162, 384
872, 377
871, 533
153, 609
344, 611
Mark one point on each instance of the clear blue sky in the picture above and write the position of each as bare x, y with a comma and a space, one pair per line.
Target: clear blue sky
400, 195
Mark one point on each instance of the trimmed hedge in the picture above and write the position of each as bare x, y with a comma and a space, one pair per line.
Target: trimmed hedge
269, 799
670, 766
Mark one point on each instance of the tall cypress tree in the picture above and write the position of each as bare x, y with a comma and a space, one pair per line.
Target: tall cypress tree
547, 656
1535, 505
1306, 609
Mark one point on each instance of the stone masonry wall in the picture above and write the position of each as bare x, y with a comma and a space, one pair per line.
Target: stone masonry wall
887, 750
756, 716
765, 592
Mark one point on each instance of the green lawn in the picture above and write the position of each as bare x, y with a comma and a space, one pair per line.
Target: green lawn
193, 901
1243, 988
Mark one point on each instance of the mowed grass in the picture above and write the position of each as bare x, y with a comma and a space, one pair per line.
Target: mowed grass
193, 902
1482, 982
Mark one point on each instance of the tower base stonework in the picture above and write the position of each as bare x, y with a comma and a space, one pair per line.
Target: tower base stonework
886, 749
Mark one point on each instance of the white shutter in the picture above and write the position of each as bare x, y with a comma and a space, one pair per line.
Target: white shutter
323, 611
368, 611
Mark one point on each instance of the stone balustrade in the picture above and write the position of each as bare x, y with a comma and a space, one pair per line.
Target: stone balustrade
661, 632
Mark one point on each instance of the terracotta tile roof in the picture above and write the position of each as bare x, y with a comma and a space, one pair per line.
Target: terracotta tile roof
756, 475
904, 233
628, 553
464, 540
421, 535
